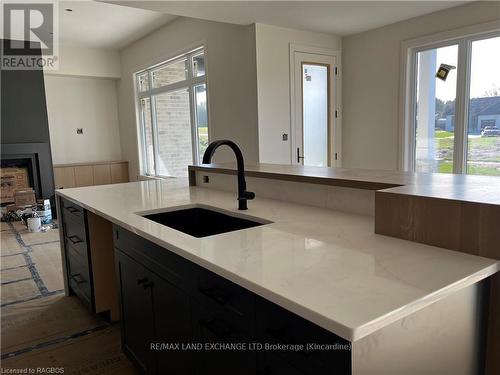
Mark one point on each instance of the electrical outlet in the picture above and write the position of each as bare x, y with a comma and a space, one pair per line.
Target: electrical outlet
205, 179
284, 137
79, 130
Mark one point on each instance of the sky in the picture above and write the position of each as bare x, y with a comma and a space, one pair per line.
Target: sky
485, 69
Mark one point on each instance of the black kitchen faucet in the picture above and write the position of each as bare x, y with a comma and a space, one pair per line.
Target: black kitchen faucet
243, 194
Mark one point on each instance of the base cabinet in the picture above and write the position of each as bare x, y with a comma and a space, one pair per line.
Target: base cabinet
167, 300
153, 312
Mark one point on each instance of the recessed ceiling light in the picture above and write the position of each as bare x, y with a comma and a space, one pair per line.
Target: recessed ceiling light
68, 10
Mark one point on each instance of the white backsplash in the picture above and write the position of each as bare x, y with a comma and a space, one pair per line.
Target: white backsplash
358, 201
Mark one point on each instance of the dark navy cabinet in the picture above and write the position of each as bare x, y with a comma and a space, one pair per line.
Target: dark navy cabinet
78, 258
167, 299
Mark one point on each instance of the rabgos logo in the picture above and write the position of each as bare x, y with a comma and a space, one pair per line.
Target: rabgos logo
30, 35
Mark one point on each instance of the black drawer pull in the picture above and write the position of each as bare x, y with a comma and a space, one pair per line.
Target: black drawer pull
78, 278
216, 328
148, 284
215, 294
145, 282
75, 239
73, 210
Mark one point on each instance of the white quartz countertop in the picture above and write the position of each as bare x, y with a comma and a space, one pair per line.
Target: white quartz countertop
326, 266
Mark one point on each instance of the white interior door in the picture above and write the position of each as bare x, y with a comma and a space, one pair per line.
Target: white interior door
314, 107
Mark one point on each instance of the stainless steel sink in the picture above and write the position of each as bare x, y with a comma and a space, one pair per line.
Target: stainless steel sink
202, 221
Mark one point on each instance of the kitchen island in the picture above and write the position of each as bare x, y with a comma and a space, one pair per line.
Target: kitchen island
401, 306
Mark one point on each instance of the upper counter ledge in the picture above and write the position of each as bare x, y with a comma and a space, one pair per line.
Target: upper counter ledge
465, 188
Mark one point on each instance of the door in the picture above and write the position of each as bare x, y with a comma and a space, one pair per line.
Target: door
314, 127
172, 320
136, 312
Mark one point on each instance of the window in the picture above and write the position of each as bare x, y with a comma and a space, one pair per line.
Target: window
173, 114
452, 106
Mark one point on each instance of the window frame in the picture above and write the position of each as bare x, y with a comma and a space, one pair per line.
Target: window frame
189, 83
408, 81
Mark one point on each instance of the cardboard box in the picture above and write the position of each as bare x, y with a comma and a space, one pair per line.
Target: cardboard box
24, 197
12, 180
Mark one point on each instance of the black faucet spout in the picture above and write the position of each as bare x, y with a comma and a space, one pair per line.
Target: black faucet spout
243, 194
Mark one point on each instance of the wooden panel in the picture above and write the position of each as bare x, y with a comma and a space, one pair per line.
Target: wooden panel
119, 173
102, 174
84, 176
103, 265
461, 226
64, 177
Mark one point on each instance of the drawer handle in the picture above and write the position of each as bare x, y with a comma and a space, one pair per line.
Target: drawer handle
78, 278
220, 297
218, 330
72, 209
75, 239
215, 294
145, 282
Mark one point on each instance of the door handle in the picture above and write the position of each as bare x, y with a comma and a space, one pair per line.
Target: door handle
298, 155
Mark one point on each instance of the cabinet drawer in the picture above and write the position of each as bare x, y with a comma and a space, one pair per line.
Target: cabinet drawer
74, 233
215, 291
277, 325
79, 279
72, 210
77, 253
170, 266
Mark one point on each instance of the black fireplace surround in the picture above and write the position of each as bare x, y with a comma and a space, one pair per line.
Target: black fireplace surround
37, 159
25, 127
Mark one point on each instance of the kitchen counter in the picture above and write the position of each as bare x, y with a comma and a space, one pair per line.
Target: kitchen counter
326, 266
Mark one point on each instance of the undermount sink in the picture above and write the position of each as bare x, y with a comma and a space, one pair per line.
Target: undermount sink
202, 221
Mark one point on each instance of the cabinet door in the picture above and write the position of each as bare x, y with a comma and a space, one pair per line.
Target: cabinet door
214, 326
172, 318
136, 312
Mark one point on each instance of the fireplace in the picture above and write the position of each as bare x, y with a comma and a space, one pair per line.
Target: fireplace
27, 164
19, 173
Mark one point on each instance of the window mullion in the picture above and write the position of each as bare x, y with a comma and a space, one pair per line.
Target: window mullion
461, 108
154, 129
192, 110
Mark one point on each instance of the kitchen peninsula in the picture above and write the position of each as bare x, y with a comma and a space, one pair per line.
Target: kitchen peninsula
308, 273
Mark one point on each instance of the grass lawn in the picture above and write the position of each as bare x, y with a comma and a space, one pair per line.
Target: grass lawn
483, 154
442, 134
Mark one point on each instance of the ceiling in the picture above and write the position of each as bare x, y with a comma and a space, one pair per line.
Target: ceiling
336, 17
101, 25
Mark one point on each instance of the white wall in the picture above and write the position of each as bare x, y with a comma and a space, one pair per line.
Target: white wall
273, 85
87, 62
88, 103
371, 62
231, 74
